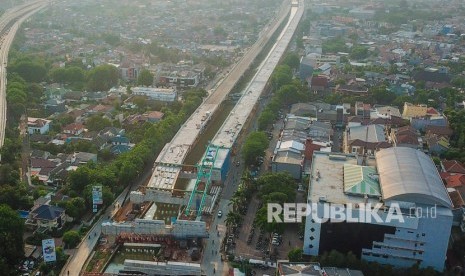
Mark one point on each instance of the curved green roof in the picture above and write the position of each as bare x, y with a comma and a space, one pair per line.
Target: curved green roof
361, 180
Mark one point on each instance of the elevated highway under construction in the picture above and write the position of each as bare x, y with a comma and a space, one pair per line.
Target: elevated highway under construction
207, 177
9, 25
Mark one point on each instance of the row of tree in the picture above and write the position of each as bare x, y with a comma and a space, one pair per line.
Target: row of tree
124, 170
287, 91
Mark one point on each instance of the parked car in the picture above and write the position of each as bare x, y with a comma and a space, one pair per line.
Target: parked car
220, 213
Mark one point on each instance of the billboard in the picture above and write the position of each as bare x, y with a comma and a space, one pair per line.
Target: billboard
48, 250
97, 195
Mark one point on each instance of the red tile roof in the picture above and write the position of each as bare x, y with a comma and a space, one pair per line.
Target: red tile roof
455, 180
310, 148
319, 81
453, 166
73, 127
432, 111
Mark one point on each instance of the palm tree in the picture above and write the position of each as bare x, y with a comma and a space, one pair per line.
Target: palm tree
235, 202
233, 218
247, 179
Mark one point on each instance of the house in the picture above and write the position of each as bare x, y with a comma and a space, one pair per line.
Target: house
445, 131
39, 154
414, 111
318, 84
436, 144
288, 158
77, 114
422, 122
453, 166
100, 108
81, 158
153, 116
405, 136
351, 89
365, 139
55, 106
37, 125
73, 96
46, 218
119, 140
74, 129
42, 168
39, 138
155, 93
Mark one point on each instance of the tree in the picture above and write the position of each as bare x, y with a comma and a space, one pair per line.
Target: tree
97, 123
75, 207
80, 178
266, 118
31, 71
11, 238
282, 75
15, 197
102, 78
295, 255
233, 218
359, 52
71, 238
292, 60
145, 78
74, 75
254, 146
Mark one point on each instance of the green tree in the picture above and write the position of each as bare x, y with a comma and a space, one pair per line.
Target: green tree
292, 60
75, 75
359, 52
71, 238
102, 78
76, 207
233, 218
80, 178
11, 239
282, 75
266, 118
145, 78
97, 123
254, 146
295, 255
15, 197
31, 71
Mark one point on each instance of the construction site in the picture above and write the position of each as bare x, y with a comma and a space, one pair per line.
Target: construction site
168, 218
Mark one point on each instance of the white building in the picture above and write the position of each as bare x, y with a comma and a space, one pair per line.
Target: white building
155, 93
402, 176
288, 157
37, 125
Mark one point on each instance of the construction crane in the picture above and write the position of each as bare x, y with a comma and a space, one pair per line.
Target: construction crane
204, 174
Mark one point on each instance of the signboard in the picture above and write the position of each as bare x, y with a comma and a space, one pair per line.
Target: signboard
97, 195
48, 250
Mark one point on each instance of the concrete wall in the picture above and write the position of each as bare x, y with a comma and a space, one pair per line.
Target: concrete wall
180, 229
163, 268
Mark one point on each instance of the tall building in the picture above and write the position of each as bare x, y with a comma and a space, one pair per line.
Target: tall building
395, 177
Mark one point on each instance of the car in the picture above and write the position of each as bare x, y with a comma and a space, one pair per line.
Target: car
220, 213
37, 273
238, 163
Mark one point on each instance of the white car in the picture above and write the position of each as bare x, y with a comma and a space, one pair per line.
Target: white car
220, 213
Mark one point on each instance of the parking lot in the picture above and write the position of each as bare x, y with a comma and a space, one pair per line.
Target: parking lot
249, 242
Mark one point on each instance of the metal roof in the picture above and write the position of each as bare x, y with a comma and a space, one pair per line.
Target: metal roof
361, 180
410, 175
374, 133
